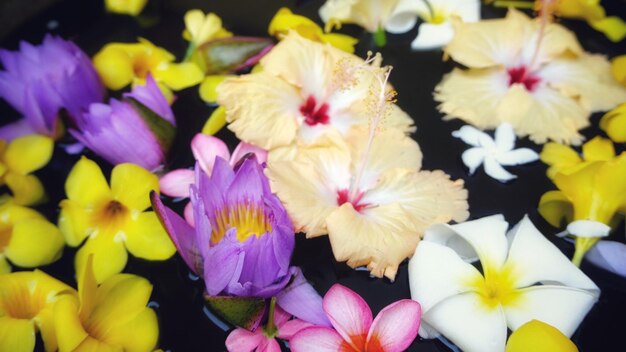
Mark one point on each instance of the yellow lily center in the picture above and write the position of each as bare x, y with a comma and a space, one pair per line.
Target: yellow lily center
496, 288
248, 219
112, 216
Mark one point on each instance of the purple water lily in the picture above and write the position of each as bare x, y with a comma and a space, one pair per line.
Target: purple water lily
243, 239
138, 129
39, 81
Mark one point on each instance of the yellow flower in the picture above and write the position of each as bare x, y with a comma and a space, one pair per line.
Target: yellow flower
112, 219
285, 20
562, 158
125, 7
200, 28
20, 158
26, 306
614, 123
538, 336
120, 64
27, 239
618, 67
109, 317
589, 198
592, 12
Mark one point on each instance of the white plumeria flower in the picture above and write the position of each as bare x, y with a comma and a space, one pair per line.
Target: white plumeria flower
492, 154
524, 277
436, 30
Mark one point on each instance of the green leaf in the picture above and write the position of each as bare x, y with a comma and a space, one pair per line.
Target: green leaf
239, 311
229, 54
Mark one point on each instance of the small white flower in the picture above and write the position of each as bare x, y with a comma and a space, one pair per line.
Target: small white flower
493, 153
436, 29
523, 277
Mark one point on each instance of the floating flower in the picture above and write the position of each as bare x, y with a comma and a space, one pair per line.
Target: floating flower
200, 28
205, 149
125, 7
530, 73
609, 255
614, 123
120, 64
27, 239
138, 129
40, 81
493, 153
437, 30
524, 277
18, 160
111, 316
618, 67
376, 16
113, 219
26, 307
393, 329
375, 211
242, 241
264, 339
564, 159
301, 94
285, 20
538, 336
588, 199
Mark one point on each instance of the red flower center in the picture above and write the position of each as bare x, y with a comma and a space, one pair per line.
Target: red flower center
522, 76
314, 114
343, 196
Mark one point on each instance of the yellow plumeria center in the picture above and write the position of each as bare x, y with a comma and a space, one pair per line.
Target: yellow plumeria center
23, 301
496, 288
112, 216
437, 16
248, 219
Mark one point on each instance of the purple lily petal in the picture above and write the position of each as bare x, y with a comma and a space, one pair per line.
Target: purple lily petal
223, 264
176, 182
609, 255
16, 129
206, 148
301, 300
150, 95
183, 235
249, 184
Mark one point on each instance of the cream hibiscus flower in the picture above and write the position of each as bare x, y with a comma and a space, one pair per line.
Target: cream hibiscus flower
528, 72
305, 90
372, 201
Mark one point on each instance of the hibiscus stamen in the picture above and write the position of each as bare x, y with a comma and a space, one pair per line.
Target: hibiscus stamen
343, 197
546, 10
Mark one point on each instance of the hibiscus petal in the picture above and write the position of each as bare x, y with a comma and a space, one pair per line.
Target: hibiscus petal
517, 157
396, 326
244, 340
206, 148
176, 183
347, 311
609, 255
562, 307
495, 170
316, 339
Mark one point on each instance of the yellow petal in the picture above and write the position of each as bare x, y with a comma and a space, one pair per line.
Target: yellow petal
87, 289
582, 9
614, 123
216, 121
208, 88
86, 184
284, 20
28, 153
537, 336
34, 243
47, 328
139, 334
179, 76
125, 7
26, 189
17, 335
5, 267
618, 68
340, 41
93, 345
613, 27
146, 238
598, 149
555, 208
72, 333
114, 66
131, 185
109, 256
559, 157
11, 214
74, 222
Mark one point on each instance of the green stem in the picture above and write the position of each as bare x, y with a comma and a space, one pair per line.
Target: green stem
513, 3
583, 244
380, 37
190, 49
270, 328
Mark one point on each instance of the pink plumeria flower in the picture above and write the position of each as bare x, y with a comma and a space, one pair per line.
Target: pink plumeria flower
393, 329
242, 340
205, 149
